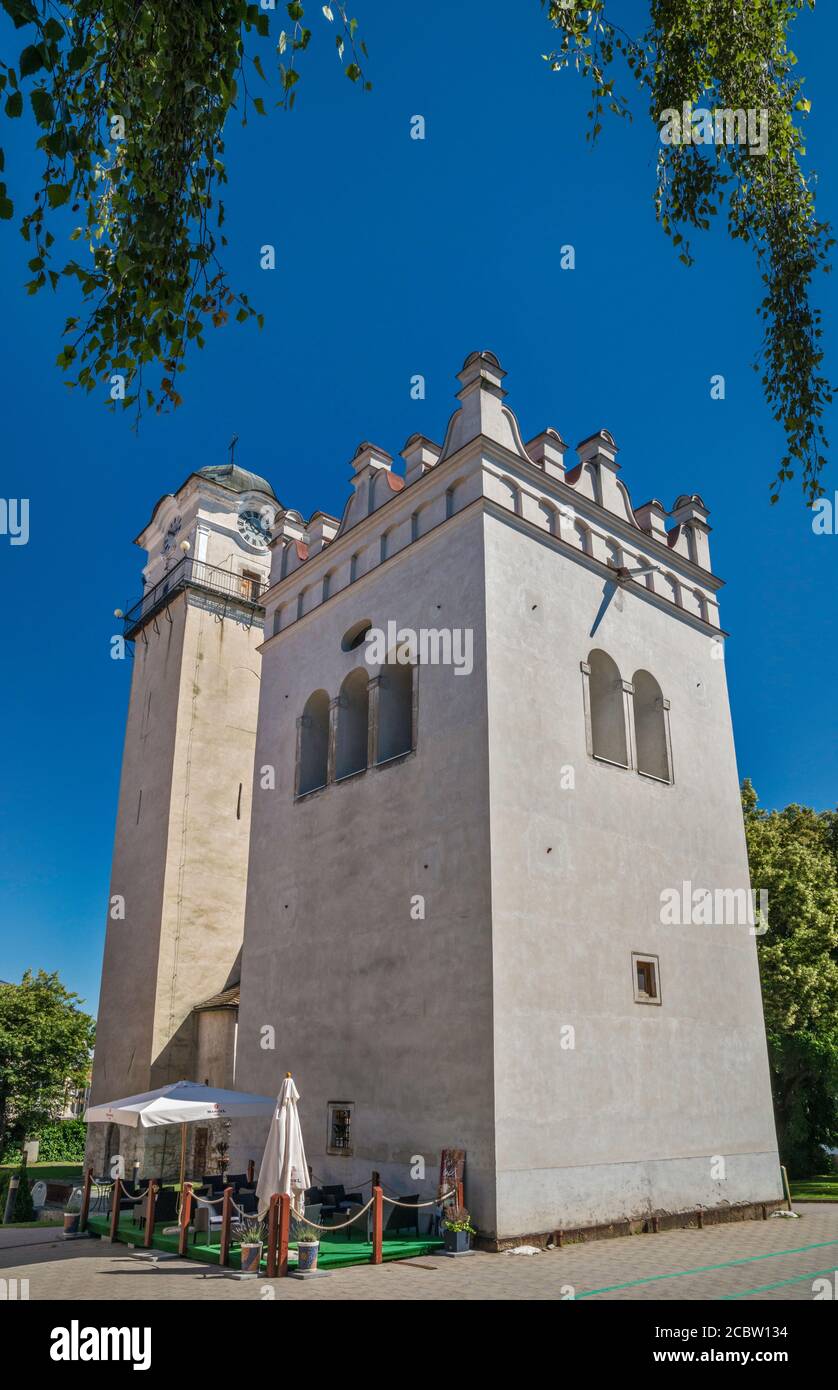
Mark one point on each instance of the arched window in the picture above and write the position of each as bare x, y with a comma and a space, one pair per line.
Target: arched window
353, 722
650, 728
395, 708
608, 725
314, 743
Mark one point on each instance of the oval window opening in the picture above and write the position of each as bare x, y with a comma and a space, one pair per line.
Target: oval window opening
354, 636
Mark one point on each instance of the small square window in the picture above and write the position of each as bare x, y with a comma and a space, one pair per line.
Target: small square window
339, 1132
646, 974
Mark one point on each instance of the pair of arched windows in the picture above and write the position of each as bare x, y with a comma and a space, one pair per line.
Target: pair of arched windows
610, 732
373, 723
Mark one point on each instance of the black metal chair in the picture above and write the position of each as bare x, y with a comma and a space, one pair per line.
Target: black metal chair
337, 1199
215, 1183
402, 1218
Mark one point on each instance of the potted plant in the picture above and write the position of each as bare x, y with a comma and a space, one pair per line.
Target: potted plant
250, 1236
457, 1231
308, 1247
72, 1213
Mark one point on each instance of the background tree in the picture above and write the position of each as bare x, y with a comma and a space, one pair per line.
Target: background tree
132, 98
792, 854
45, 1044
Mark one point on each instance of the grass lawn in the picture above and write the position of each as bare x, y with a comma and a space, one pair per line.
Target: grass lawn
31, 1225
823, 1188
46, 1171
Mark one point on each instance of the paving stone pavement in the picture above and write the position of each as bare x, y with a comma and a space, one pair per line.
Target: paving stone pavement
760, 1260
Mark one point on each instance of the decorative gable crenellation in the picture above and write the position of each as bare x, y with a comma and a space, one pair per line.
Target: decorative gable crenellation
584, 511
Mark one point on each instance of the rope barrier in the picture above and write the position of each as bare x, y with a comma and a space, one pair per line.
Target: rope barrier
127, 1194
248, 1215
207, 1201
415, 1206
356, 1215
411, 1206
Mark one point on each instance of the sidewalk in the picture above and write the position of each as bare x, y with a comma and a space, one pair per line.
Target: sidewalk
756, 1260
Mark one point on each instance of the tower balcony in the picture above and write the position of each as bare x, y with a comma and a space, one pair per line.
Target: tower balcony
241, 591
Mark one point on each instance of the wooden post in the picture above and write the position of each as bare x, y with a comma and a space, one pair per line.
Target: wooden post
251, 1170
226, 1214
117, 1184
273, 1235
85, 1201
377, 1226
786, 1188
284, 1232
150, 1204
185, 1215
460, 1196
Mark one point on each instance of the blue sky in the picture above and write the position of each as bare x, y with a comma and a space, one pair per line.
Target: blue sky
398, 257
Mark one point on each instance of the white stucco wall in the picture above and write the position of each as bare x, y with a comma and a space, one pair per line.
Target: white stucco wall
368, 1005
629, 1120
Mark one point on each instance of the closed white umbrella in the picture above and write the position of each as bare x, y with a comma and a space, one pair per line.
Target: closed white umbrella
284, 1167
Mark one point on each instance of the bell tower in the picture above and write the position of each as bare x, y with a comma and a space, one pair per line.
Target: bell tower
178, 879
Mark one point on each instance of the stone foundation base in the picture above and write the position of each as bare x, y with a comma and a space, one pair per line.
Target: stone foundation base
644, 1225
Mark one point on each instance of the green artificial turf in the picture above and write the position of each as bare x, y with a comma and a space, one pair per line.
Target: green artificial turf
334, 1254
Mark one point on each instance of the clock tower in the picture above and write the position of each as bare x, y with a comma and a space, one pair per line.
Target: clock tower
177, 895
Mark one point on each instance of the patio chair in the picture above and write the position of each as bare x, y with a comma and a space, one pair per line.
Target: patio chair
337, 1199
214, 1183
403, 1219
101, 1194
353, 1212
165, 1205
207, 1222
246, 1199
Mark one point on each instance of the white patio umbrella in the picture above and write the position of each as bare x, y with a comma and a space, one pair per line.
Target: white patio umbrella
284, 1167
180, 1103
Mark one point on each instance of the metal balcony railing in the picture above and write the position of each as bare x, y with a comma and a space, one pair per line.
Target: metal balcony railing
190, 573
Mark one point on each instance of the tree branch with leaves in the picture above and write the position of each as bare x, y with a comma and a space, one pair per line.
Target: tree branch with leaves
730, 56
131, 100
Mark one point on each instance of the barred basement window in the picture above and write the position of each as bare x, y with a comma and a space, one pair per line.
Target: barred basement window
646, 979
339, 1131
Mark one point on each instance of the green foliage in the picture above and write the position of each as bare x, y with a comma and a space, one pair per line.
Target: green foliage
24, 1209
792, 855
250, 1232
131, 99
45, 1045
62, 1142
458, 1219
723, 54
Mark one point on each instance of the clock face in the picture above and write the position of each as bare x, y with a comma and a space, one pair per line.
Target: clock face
253, 527
172, 533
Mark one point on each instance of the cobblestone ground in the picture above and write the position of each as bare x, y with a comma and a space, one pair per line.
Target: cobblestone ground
754, 1260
